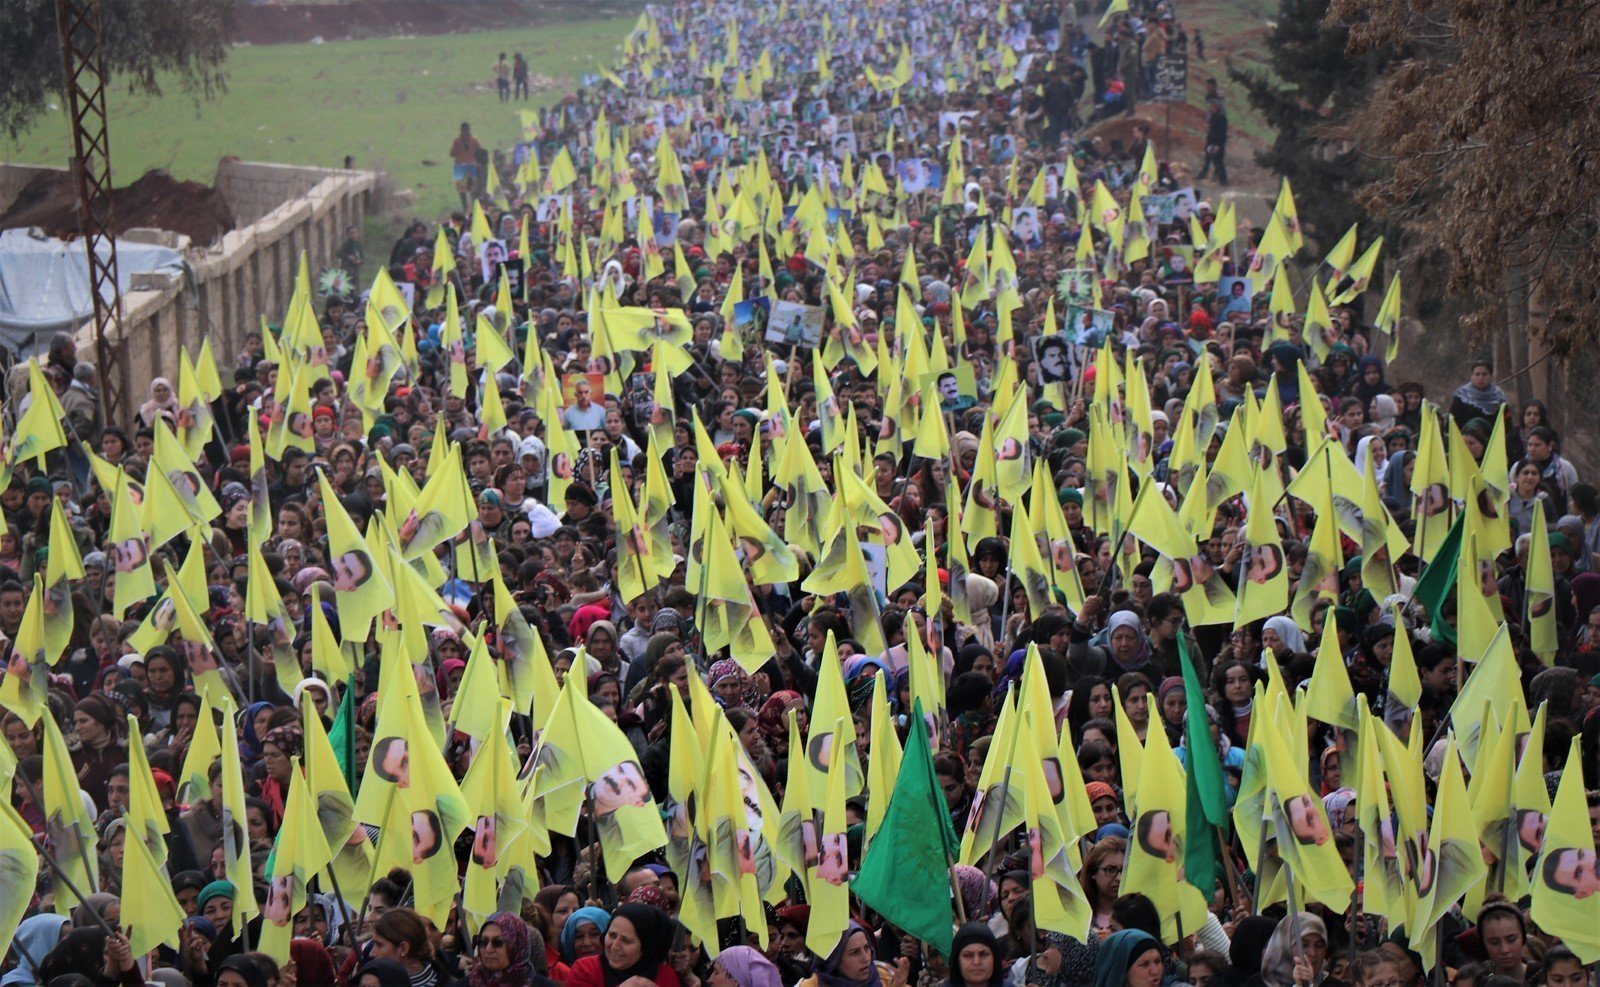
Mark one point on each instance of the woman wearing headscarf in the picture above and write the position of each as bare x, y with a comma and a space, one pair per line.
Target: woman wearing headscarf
975, 958
635, 952
982, 594
1283, 964
503, 957
250, 736
741, 966
584, 933
731, 686
34, 940
1282, 640
1369, 381
101, 745
851, 964
1128, 648
163, 402
774, 719
1129, 958
313, 967
1397, 484
1249, 942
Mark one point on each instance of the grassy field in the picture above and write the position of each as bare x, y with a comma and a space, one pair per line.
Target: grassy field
393, 104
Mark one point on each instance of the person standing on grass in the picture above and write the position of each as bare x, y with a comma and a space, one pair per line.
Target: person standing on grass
519, 77
502, 78
464, 152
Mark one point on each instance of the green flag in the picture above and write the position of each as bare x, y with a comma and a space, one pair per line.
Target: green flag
1439, 581
343, 736
905, 874
1207, 805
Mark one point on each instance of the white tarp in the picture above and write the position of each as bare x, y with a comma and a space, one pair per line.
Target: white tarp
44, 283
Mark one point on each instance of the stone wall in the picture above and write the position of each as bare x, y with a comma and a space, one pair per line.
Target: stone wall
248, 274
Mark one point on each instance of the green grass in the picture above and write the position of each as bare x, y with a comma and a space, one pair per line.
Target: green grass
392, 104
1235, 34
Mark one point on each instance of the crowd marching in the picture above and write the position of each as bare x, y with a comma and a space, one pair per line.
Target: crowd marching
815, 516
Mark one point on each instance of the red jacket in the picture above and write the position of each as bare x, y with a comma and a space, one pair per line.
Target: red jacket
587, 972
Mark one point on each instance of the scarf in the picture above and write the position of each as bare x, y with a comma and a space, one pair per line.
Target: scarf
654, 931
981, 595
774, 715
828, 970
748, 967
36, 936
1485, 399
1127, 618
519, 968
1118, 952
597, 917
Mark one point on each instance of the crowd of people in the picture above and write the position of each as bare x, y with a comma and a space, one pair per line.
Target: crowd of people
809, 415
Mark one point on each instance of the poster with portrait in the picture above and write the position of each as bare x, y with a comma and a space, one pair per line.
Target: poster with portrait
1089, 327
491, 254
844, 146
1053, 354
750, 317
552, 207
956, 386
1025, 225
570, 382
1236, 294
954, 124
1160, 209
913, 175
1184, 202
515, 269
795, 325
1076, 285
1179, 264
633, 205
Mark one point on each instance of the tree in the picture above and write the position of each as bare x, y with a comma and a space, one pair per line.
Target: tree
1489, 122
1313, 85
146, 42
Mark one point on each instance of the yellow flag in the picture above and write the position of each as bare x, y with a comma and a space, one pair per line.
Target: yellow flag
1156, 843
68, 825
150, 911
1565, 879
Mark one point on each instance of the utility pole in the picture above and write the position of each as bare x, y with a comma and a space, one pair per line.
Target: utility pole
84, 71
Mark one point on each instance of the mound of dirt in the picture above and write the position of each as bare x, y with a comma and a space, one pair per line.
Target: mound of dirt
50, 202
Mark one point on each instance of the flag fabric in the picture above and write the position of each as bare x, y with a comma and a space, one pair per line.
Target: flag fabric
1206, 809
915, 848
1565, 881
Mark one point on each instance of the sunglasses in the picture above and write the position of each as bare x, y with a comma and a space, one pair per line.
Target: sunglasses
491, 942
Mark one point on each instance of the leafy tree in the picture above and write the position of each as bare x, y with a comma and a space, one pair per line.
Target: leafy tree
146, 43
1311, 87
1490, 123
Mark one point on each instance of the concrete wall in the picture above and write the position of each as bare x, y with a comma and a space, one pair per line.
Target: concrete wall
249, 273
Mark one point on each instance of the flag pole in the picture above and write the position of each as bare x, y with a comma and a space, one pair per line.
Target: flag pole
61, 875
55, 866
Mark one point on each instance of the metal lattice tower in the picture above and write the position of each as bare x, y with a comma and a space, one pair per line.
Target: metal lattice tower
83, 69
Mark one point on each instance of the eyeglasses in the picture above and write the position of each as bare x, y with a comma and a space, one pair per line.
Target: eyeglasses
1110, 871
495, 942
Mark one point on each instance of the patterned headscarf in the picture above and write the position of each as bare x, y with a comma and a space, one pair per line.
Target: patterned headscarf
748, 696
774, 715
519, 969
